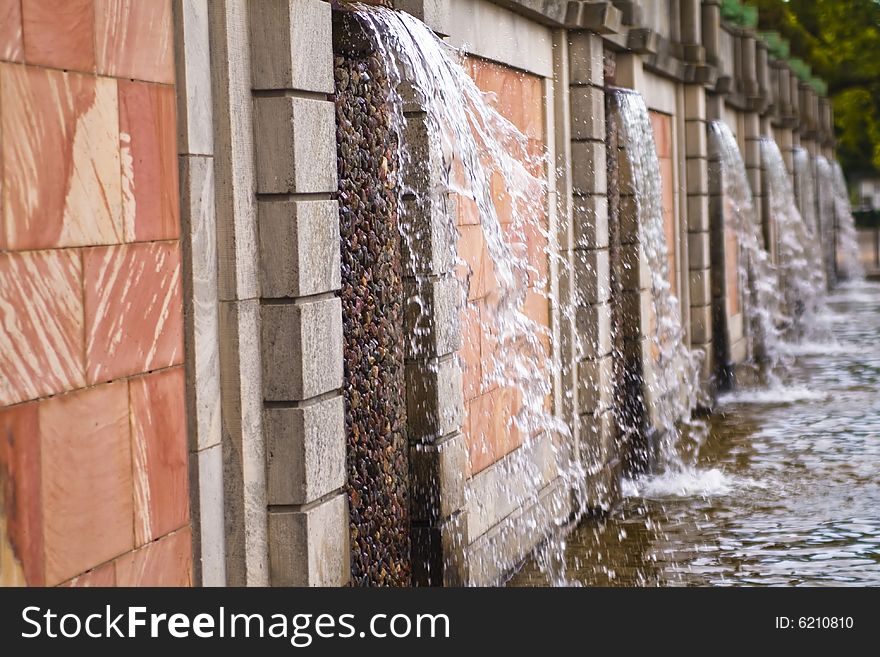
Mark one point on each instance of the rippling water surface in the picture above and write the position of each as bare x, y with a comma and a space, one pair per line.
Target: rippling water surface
786, 490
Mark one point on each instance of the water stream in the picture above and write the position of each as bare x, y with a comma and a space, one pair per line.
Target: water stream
456, 151
759, 280
848, 256
671, 382
801, 275
790, 489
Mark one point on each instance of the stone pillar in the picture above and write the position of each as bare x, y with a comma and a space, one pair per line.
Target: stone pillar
699, 262
247, 562
591, 262
438, 451
711, 29
291, 78
195, 142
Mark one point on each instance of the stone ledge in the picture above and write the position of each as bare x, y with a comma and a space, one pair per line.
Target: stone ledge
496, 553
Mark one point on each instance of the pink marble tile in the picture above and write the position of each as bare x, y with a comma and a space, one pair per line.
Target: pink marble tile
86, 479
134, 39
148, 134
104, 575
21, 530
41, 324
11, 45
133, 309
166, 562
60, 158
159, 451
59, 34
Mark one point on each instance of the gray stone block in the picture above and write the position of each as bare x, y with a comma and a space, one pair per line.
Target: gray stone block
433, 309
244, 458
701, 325
587, 113
199, 244
437, 478
434, 399
590, 221
593, 323
291, 45
295, 145
696, 142
586, 59
592, 276
700, 287
428, 244
195, 127
697, 176
588, 174
634, 268
698, 213
698, 251
302, 349
209, 528
305, 451
595, 384
636, 311
299, 247
310, 547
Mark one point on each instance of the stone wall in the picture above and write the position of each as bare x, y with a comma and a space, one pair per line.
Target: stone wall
208, 311
93, 429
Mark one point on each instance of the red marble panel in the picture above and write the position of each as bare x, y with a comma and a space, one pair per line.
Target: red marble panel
134, 39
41, 324
59, 34
86, 479
481, 441
159, 454
471, 365
133, 309
148, 135
60, 153
166, 562
11, 45
20, 498
104, 575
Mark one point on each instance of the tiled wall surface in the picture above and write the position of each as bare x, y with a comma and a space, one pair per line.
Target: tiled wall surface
491, 435
93, 452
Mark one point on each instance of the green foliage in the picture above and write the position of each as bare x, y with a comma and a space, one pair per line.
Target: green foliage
739, 13
840, 41
776, 45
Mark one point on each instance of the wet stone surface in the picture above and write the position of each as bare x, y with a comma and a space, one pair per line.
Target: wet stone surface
372, 311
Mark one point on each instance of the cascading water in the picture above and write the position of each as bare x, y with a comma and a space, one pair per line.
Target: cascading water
801, 275
806, 196
849, 261
759, 280
672, 384
825, 207
468, 143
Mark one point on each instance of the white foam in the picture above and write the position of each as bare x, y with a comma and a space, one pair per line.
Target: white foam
775, 395
689, 482
811, 348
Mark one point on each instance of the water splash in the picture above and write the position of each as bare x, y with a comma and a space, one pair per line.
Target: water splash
671, 384
801, 275
455, 148
825, 205
759, 280
849, 262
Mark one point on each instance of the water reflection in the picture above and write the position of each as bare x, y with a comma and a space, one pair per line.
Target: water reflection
787, 488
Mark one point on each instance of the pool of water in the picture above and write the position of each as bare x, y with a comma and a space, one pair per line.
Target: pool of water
785, 491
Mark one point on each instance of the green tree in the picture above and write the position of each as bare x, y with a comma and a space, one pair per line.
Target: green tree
840, 39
